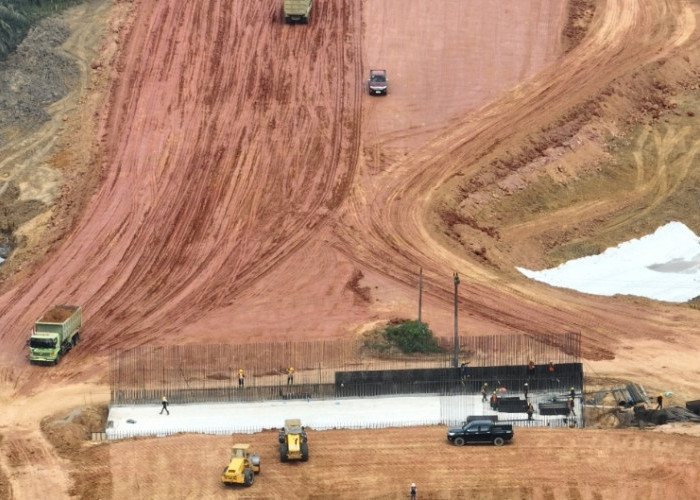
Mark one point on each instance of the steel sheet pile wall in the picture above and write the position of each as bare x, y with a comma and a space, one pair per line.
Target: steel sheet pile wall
191, 373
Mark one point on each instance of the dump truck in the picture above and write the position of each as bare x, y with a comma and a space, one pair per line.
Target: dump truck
293, 441
297, 11
55, 333
242, 467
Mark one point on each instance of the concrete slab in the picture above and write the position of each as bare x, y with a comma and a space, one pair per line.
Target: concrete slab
351, 413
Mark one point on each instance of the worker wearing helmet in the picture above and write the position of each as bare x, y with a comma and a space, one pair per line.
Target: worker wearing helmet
165, 406
660, 402
494, 400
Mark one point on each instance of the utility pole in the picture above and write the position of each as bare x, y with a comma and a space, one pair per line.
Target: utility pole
455, 276
420, 294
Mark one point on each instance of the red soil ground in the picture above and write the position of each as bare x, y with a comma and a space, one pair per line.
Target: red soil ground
240, 177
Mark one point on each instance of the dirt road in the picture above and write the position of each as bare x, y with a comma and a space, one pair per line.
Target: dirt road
373, 464
238, 178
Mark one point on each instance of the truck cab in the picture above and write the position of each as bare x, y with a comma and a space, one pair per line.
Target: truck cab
44, 347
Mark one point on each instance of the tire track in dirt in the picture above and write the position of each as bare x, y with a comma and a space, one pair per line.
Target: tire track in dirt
546, 463
401, 229
30, 463
216, 131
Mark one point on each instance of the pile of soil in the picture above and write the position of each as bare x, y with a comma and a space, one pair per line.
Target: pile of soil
69, 433
70, 436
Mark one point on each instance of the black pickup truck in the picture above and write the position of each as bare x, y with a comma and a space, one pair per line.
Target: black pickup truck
480, 431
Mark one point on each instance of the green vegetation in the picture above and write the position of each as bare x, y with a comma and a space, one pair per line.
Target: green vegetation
17, 16
407, 336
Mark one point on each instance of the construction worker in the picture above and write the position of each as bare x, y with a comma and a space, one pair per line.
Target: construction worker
165, 406
572, 393
660, 402
413, 491
570, 407
530, 410
550, 368
241, 377
494, 400
526, 389
290, 375
531, 366
463, 373
484, 388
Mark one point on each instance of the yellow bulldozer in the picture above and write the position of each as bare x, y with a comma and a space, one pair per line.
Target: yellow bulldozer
293, 441
243, 466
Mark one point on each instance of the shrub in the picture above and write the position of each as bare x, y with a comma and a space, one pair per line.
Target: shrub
408, 336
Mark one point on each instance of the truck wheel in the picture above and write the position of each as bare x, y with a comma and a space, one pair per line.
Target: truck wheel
459, 441
283, 452
248, 477
304, 452
498, 441
76, 338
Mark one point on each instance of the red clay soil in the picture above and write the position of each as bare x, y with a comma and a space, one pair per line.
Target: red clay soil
247, 182
58, 314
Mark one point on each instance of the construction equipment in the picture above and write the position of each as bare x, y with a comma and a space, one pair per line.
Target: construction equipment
293, 441
297, 11
55, 333
242, 467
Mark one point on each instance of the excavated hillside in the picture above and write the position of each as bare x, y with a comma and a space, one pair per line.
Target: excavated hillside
212, 175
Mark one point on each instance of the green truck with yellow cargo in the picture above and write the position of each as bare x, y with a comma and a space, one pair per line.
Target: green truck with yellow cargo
55, 333
297, 11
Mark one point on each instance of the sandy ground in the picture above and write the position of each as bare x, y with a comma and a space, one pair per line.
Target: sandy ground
237, 177
374, 464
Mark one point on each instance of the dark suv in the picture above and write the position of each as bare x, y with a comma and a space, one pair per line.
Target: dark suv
377, 83
480, 431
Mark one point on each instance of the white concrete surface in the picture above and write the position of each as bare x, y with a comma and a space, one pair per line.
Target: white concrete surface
664, 265
378, 412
